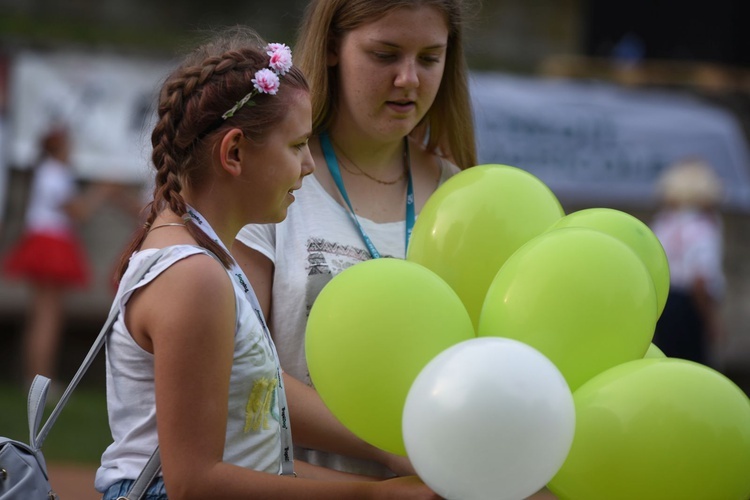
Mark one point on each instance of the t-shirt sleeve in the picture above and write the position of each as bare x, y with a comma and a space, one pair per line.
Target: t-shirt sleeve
261, 238
447, 170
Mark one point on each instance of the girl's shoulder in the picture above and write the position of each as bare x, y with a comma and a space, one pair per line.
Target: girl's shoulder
447, 169
431, 164
198, 268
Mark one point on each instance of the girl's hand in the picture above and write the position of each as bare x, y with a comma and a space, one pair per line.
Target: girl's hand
408, 487
401, 466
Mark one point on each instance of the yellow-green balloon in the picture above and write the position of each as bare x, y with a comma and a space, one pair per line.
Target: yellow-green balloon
370, 332
654, 352
475, 221
634, 233
580, 296
657, 429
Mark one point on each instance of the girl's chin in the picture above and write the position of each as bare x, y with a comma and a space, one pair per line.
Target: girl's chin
396, 129
272, 218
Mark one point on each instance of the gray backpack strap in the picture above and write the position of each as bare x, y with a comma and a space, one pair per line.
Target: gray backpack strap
35, 407
35, 410
40, 386
145, 478
95, 348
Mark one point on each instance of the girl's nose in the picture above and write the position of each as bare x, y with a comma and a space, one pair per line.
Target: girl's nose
308, 164
407, 76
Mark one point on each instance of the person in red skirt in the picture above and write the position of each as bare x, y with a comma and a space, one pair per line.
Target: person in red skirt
49, 254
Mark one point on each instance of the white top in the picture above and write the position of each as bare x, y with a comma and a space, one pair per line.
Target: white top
315, 242
693, 242
252, 438
53, 186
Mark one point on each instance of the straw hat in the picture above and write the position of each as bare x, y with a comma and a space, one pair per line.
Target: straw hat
690, 182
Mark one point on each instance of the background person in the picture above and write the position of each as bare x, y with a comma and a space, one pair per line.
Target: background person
49, 255
690, 229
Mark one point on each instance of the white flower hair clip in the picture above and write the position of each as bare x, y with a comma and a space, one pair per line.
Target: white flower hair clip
266, 80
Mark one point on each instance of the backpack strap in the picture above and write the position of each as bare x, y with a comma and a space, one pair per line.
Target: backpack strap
93, 351
145, 478
40, 387
35, 409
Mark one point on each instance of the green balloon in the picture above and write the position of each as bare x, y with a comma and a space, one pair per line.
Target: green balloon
654, 352
634, 233
580, 296
473, 222
370, 332
658, 429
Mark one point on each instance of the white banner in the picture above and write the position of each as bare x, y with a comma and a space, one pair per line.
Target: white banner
107, 101
591, 143
602, 145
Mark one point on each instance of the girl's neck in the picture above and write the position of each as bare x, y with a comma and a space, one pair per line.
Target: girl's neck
375, 156
217, 216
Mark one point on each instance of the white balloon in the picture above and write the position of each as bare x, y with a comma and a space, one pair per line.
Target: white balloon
488, 418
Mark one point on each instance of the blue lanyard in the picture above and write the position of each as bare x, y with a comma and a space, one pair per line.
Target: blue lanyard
333, 167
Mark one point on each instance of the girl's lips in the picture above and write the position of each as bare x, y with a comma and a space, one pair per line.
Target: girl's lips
401, 107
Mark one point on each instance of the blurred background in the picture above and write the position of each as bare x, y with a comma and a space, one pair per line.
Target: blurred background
597, 99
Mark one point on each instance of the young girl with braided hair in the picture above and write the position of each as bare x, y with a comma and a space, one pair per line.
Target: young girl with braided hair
190, 363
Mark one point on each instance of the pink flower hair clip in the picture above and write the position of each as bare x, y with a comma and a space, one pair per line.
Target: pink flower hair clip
266, 80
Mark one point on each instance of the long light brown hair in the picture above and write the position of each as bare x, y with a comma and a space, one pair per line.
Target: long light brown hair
448, 126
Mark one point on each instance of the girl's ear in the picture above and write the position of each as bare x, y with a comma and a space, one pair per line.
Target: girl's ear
230, 154
332, 57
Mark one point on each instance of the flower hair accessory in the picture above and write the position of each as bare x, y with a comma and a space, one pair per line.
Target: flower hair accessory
266, 80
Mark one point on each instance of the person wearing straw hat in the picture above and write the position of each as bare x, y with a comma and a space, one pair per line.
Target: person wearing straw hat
690, 229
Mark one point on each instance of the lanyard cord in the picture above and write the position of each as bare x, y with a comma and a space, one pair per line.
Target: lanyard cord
287, 455
333, 167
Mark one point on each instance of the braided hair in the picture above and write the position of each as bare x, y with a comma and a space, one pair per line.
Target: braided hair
192, 99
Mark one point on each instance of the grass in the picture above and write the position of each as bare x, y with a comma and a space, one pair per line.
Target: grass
80, 434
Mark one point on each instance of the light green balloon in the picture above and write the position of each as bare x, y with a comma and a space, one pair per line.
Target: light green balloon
654, 352
473, 222
580, 296
658, 429
634, 233
370, 332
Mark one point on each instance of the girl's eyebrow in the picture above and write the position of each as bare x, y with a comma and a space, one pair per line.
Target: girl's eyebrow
304, 136
396, 46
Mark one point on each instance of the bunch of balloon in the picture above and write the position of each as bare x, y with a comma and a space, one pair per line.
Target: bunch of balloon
581, 297
654, 352
656, 429
473, 222
370, 332
634, 233
488, 418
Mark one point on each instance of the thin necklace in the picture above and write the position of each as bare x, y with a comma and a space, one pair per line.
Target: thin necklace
364, 172
333, 167
166, 224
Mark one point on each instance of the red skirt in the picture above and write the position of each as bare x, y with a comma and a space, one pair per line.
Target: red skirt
48, 258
